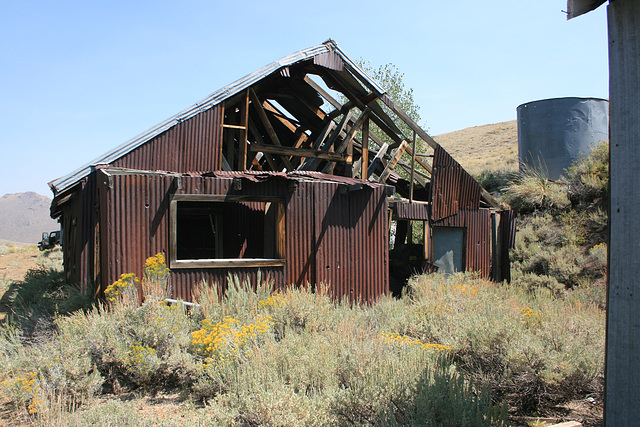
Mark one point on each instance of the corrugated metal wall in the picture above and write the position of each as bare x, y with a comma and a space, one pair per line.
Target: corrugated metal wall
453, 189
336, 238
478, 238
413, 211
190, 146
80, 243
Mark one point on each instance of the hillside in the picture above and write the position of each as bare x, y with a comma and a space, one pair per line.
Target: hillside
493, 146
25, 216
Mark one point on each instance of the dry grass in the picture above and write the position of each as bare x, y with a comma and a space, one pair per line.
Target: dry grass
481, 148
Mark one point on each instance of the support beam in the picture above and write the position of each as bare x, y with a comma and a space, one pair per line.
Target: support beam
347, 143
267, 124
299, 152
393, 162
378, 158
365, 147
258, 138
243, 133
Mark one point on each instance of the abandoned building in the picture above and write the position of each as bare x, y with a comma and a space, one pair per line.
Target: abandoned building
300, 170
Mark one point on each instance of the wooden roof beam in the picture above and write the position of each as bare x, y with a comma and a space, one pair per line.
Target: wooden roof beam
267, 124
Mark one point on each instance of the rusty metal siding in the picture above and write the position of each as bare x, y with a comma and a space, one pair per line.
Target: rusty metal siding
340, 239
190, 146
352, 250
453, 189
79, 220
300, 244
478, 238
413, 211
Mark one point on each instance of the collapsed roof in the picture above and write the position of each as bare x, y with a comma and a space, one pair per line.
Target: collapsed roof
311, 111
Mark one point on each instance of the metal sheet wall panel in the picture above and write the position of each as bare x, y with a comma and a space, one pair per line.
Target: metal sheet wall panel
300, 243
340, 239
478, 238
414, 211
352, 250
453, 189
190, 146
79, 221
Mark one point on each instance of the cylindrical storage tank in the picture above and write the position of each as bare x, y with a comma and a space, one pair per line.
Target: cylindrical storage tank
552, 133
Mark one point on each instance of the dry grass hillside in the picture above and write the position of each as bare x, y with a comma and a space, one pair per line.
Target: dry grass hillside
493, 146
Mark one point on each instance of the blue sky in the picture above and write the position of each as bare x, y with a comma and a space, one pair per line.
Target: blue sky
78, 78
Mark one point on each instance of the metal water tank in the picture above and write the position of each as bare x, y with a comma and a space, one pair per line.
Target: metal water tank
552, 133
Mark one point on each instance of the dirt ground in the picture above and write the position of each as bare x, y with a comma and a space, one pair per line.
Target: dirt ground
14, 265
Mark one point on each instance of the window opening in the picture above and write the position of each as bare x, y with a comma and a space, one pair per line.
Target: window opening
225, 231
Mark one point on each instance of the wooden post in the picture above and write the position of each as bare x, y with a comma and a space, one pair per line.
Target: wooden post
365, 148
243, 134
413, 166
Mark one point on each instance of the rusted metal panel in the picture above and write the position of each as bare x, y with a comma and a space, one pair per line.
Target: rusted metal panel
190, 146
352, 250
453, 189
301, 264
332, 236
78, 222
478, 238
413, 211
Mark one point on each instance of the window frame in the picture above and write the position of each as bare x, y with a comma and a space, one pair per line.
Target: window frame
279, 233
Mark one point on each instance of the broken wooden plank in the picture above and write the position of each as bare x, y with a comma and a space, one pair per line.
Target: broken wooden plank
393, 162
360, 104
378, 158
328, 145
307, 163
346, 144
233, 127
258, 138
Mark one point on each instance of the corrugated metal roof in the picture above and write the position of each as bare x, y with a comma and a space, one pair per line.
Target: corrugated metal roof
226, 92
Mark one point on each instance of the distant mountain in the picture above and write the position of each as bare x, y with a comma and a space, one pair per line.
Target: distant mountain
24, 217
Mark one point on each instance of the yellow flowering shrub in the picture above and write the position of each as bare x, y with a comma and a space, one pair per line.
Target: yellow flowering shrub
223, 342
142, 360
467, 290
114, 290
23, 390
274, 300
155, 284
404, 340
530, 318
155, 267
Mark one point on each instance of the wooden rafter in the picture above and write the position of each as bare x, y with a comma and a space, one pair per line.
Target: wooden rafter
299, 152
267, 124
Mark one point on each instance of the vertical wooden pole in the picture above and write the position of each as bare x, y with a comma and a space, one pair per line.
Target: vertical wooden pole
221, 140
413, 166
365, 149
244, 133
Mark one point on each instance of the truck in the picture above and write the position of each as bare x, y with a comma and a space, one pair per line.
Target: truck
49, 240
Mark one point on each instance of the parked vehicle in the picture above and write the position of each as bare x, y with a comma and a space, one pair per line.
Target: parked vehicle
49, 240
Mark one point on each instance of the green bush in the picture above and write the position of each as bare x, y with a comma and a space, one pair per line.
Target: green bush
454, 350
533, 192
588, 178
